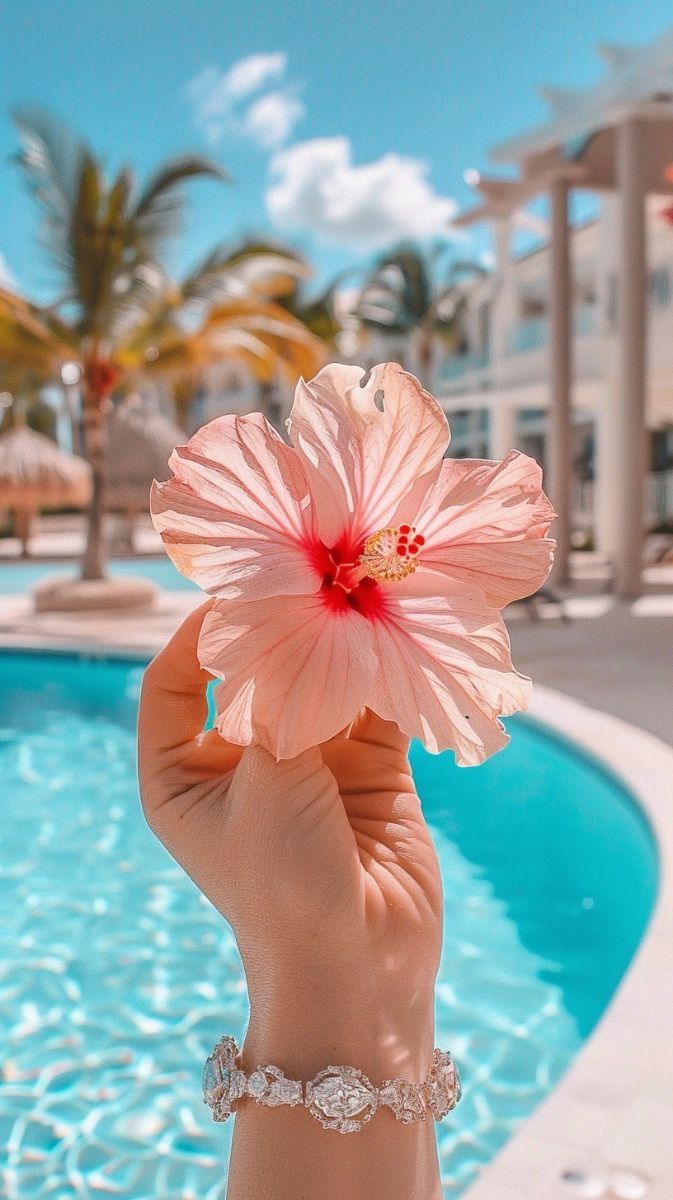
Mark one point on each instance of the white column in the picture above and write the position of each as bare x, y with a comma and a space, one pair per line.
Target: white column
558, 452
502, 427
607, 502
629, 413
503, 314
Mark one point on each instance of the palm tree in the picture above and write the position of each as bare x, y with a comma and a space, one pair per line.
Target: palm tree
118, 314
250, 320
401, 295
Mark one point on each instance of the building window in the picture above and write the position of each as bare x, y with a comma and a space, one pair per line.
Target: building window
660, 287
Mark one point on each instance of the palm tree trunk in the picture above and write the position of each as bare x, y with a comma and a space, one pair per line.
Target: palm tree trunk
183, 397
269, 402
95, 444
425, 358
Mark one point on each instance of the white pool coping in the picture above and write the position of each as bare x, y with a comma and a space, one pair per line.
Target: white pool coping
611, 1116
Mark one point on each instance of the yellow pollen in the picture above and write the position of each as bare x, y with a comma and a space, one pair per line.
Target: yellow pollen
383, 557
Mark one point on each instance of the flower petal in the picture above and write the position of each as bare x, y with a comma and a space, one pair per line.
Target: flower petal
365, 439
237, 517
445, 675
294, 672
486, 523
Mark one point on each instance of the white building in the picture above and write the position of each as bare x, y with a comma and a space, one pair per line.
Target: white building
580, 331
497, 391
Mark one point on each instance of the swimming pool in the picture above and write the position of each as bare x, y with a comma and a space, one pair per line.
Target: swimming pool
116, 976
23, 576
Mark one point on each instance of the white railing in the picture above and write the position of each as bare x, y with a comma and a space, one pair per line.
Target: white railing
658, 497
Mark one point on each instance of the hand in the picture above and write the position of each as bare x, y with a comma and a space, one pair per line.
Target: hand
326, 871
322, 864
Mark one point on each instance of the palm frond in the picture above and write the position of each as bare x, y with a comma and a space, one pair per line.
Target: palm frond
168, 177
397, 294
158, 211
50, 157
317, 313
30, 344
249, 328
258, 267
51, 160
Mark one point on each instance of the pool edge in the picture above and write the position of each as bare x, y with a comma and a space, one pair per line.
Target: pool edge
613, 1108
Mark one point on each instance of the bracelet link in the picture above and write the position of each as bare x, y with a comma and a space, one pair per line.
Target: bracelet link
269, 1086
340, 1098
406, 1099
223, 1081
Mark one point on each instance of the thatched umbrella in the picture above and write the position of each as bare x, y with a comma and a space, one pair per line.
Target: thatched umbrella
139, 445
35, 473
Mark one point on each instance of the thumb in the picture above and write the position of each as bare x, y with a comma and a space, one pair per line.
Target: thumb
279, 793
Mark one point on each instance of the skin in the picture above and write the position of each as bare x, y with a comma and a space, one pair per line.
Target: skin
324, 867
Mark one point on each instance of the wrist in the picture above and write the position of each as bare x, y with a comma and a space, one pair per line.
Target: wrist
383, 1027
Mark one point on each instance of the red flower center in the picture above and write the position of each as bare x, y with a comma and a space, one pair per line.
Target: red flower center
352, 573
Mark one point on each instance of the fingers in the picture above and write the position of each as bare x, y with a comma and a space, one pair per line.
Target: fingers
371, 729
287, 785
287, 812
173, 703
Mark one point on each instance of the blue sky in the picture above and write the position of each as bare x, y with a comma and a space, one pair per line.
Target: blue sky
344, 125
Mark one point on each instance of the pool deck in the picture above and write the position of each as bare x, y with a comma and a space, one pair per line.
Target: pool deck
605, 680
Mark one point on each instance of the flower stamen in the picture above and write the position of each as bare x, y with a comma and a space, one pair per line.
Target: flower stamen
391, 554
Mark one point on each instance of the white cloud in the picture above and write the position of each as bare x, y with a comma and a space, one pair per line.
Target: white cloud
7, 280
222, 101
271, 119
249, 74
317, 188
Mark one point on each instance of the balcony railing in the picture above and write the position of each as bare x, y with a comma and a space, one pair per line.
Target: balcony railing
534, 333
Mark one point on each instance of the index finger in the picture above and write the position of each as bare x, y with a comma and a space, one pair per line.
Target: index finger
173, 702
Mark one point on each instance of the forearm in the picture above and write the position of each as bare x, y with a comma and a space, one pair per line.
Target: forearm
284, 1153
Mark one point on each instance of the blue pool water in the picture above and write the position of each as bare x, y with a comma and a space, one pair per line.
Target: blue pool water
116, 976
21, 577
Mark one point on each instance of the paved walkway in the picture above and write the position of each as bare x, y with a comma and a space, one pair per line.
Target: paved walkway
614, 657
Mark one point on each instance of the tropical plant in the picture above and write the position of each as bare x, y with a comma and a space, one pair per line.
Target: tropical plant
403, 295
246, 318
118, 314
317, 313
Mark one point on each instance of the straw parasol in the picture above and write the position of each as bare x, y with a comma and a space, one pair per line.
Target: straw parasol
139, 445
35, 473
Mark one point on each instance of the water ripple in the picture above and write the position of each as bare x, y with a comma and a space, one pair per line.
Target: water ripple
116, 978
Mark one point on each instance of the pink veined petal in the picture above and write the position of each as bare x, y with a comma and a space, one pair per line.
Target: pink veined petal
237, 517
364, 447
445, 675
294, 672
486, 523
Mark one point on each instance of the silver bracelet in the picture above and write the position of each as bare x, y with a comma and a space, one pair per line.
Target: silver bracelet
340, 1098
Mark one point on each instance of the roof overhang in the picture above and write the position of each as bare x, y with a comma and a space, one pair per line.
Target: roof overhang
592, 164
637, 76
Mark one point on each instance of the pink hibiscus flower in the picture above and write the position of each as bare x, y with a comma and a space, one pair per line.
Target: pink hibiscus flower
356, 567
